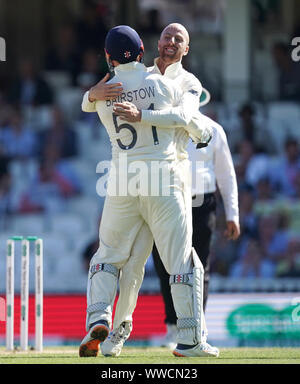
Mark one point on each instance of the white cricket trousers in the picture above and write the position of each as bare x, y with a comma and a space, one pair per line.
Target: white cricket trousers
170, 221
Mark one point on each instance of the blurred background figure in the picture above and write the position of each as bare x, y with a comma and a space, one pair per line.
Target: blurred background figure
150, 23
273, 242
264, 192
5, 110
288, 73
59, 135
289, 265
64, 55
29, 87
250, 130
5, 188
91, 28
252, 263
244, 154
284, 172
248, 217
93, 66
54, 182
18, 140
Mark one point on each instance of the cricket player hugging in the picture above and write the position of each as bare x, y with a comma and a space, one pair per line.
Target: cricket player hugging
129, 212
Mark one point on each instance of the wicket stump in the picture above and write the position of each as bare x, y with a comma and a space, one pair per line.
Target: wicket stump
10, 267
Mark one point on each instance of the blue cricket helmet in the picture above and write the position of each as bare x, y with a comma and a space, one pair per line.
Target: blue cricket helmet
123, 44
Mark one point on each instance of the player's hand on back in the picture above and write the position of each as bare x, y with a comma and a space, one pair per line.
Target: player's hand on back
104, 91
128, 112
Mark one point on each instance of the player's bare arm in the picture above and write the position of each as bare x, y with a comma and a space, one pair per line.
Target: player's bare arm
104, 91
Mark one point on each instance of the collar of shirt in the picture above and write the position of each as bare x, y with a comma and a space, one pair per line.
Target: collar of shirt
133, 65
172, 70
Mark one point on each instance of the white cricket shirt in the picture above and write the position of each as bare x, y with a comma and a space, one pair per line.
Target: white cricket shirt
142, 140
192, 89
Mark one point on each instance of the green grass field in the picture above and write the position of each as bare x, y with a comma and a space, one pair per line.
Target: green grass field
149, 355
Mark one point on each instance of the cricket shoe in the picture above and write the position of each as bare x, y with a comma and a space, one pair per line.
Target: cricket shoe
199, 350
98, 332
169, 341
113, 345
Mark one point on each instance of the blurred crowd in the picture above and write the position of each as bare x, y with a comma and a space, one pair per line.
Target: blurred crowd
77, 53
268, 176
267, 168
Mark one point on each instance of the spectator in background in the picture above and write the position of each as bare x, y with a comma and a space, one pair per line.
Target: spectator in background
55, 181
86, 81
265, 199
248, 129
283, 225
272, 239
62, 167
29, 88
4, 163
283, 174
288, 71
5, 186
257, 169
286, 208
249, 139
17, 140
264, 192
289, 265
150, 23
248, 219
5, 111
59, 135
5, 198
91, 29
252, 264
223, 252
64, 55
93, 66
291, 207
297, 185
245, 152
